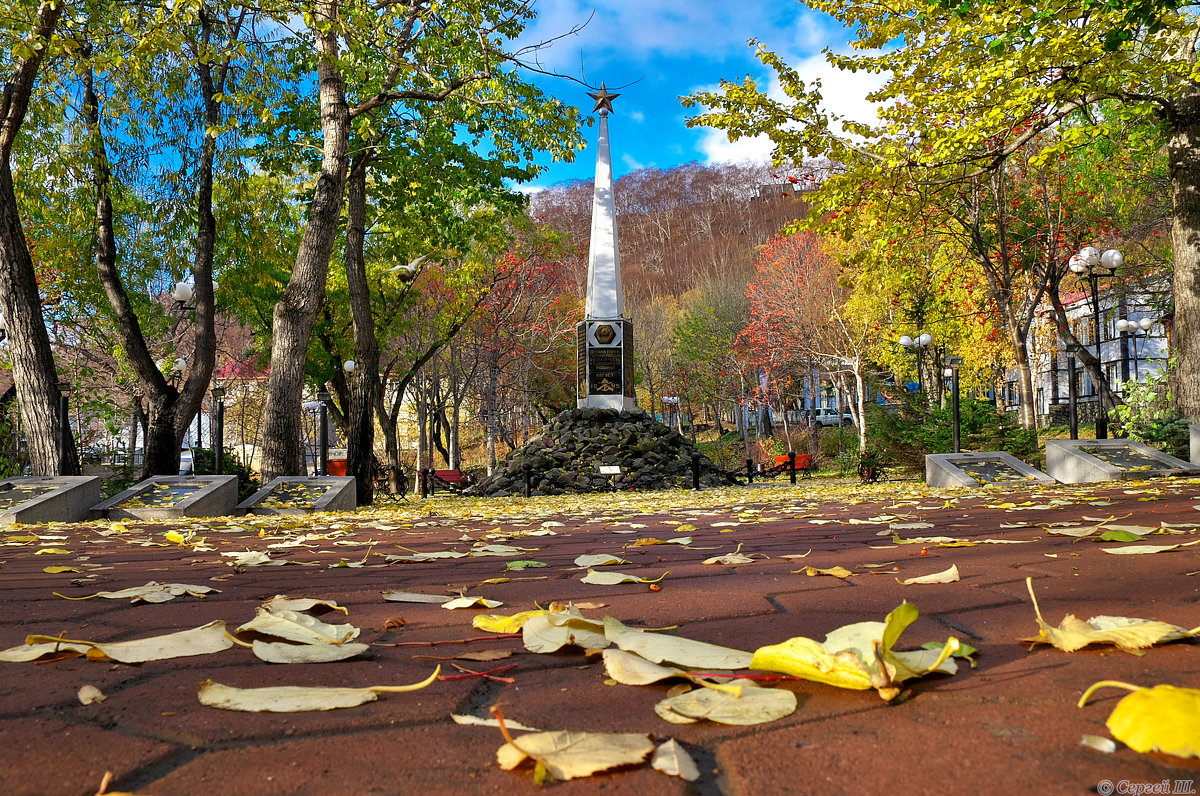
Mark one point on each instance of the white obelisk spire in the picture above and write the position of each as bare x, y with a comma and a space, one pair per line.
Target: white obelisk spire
605, 296
605, 368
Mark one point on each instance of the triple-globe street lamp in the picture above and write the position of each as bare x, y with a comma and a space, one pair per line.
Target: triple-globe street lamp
1091, 263
918, 345
1132, 327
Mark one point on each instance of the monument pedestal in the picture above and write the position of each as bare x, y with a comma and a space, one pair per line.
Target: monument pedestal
605, 368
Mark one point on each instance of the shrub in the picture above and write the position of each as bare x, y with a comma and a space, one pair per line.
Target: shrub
203, 462
1146, 417
905, 437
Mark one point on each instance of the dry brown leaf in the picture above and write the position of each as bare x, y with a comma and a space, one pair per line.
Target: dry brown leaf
202, 640
296, 699
672, 759
660, 648
283, 652
152, 592
297, 627
945, 576
568, 755
754, 706
90, 694
302, 605
1129, 634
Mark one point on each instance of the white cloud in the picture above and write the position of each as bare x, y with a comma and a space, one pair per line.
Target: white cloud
624, 32
636, 116
717, 148
632, 163
844, 95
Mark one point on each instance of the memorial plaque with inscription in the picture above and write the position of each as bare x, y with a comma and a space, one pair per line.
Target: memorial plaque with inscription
627, 347
581, 369
604, 371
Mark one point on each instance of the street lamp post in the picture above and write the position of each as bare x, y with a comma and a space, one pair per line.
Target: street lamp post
1127, 326
218, 394
64, 427
323, 433
918, 345
953, 363
1072, 391
1092, 264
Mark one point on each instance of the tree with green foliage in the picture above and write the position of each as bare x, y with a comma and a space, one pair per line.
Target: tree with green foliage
970, 86
31, 36
373, 62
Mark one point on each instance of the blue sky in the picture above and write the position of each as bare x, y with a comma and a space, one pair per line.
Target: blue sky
675, 47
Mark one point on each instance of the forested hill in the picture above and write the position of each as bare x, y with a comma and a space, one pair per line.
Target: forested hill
679, 228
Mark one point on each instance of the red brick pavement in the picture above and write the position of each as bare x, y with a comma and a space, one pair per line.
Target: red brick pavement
1009, 725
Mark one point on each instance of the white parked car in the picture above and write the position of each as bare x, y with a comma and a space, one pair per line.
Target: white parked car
831, 417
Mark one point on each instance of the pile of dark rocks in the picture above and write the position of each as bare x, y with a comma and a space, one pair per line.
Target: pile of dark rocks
567, 455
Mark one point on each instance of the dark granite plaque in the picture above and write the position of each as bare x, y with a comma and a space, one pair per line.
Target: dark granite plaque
581, 360
627, 347
604, 371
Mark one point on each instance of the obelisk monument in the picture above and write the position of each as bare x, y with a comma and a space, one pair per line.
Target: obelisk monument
605, 335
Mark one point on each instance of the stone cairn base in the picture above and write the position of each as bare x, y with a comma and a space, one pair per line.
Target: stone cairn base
567, 456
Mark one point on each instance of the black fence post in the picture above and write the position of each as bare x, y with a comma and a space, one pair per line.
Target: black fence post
696, 470
792, 466
528, 470
749, 471
424, 479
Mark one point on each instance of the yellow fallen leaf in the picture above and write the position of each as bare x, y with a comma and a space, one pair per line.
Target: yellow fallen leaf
1159, 719
52, 551
499, 623
859, 656
837, 572
1129, 634
296, 699
945, 576
60, 570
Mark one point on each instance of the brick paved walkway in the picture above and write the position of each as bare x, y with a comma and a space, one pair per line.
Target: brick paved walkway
1009, 725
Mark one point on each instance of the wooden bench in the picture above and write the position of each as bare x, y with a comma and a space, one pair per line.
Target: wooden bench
783, 466
449, 479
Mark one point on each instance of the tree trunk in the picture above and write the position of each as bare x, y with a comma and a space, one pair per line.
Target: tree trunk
1027, 412
34, 373
489, 411
1184, 156
364, 382
296, 310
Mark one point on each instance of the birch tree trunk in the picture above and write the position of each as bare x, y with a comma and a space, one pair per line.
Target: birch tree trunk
1184, 157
